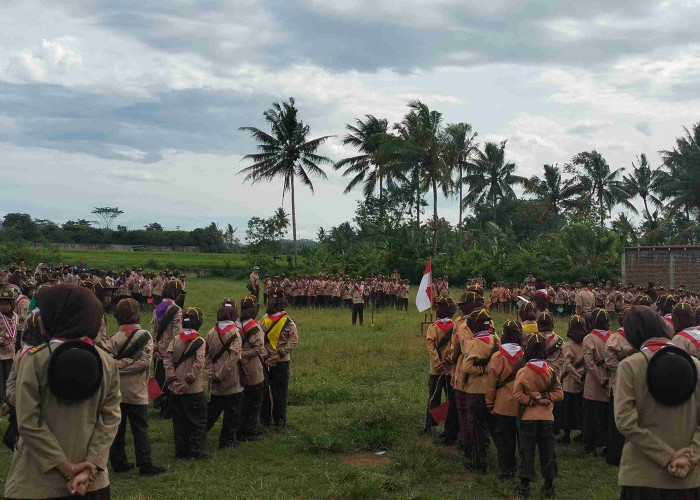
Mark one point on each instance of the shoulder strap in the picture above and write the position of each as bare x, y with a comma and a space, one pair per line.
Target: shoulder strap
188, 353
167, 319
126, 344
520, 363
445, 340
224, 348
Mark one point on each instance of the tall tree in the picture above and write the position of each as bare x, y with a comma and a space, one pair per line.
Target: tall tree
367, 137
600, 184
490, 177
462, 143
286, 153
107, 215
681, 185
643, 182
552, 189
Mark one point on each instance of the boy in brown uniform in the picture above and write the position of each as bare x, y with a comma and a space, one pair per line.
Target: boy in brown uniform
184, 361
132, 349
537, 388
253, 348
165, 325
281, 338
63, 447
503, 367
8, 329
595, 389
221, 365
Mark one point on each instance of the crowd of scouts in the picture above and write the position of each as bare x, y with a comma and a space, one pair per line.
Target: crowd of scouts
524, 387
70, 387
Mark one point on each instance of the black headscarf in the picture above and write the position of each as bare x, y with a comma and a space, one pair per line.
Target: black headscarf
69, 311
641, 323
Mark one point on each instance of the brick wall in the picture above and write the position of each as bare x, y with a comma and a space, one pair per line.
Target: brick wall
645, 264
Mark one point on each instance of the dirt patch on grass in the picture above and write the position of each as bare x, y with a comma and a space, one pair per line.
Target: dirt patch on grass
459, 478
364, 459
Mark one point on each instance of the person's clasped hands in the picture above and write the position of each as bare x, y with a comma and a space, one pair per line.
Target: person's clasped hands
78, 476
683, 462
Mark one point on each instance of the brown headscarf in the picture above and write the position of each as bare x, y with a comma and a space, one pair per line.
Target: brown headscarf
69, 311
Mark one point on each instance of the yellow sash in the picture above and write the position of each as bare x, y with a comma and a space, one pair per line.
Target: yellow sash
274, 334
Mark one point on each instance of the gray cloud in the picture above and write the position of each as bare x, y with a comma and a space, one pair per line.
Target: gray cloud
644, 128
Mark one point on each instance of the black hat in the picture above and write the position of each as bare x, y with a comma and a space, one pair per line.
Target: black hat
671, 376
75, 371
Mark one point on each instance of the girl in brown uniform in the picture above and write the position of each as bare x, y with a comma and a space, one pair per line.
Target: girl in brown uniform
595, 389
252, 368
687, 334
537, 388
572, 378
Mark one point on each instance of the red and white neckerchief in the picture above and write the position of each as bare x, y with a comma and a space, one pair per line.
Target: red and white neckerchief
187, 335
24, 350
603, 335
277, 316
691, 334
10, 325
512, 352
669, 319
655, 345
550, 337
61, 340
621, 331
543, 291
223, 327
484, 336
539, 366
248, 325
444, 324
20, 299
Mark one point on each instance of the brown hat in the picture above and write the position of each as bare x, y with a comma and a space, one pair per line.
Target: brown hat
69, 311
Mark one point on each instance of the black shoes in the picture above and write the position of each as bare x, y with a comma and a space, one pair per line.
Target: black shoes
151, 470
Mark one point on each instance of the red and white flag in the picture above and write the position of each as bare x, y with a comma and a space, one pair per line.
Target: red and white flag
424, 297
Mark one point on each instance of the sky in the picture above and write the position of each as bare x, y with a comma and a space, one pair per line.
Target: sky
138, 103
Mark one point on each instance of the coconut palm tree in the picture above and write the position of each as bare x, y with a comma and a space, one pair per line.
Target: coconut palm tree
490, 177
643, 182
599, 184
285, 153
462, 143
367, 137
558, 193
681, 185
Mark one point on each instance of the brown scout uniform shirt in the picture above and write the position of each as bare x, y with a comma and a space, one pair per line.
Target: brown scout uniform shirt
224, 374
175, 326
80, 432
689, 341
555, 356
22, 311
527, 381
574, 367
462, 334
253, 349
585, 300
499, 370
476, 353
7, 342
133, 373
189, 372
433, 337
653, 432
595, 386
616, 349
288, 340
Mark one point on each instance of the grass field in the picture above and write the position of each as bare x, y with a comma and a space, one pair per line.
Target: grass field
352, 391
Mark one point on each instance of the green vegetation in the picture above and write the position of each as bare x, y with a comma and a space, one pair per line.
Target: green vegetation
352, 390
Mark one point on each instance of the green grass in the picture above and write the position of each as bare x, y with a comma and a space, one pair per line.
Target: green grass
361, 389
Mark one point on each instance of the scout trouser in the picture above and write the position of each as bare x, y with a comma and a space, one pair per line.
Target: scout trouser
274, 401
189, 424
137, 415
479, 424
358, 310
437, 384
232, 407
252, 401
506, 438
537, 434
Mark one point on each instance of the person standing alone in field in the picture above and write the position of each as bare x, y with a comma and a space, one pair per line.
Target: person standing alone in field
254, 283
585, 300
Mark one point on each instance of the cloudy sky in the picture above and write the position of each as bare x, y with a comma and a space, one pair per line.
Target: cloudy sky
137, 103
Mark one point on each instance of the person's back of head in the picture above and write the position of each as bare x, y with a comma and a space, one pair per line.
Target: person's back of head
641, 323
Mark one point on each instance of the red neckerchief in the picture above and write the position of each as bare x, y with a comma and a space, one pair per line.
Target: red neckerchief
669, 319
484, 336
277, 316
20, 299
693, 335
225, 330
129, 329
186, 337
539, 366
444, 325
61, 340
621, 331
24, 350
601, 334
655, 345
249, 324
512, 352
550, 338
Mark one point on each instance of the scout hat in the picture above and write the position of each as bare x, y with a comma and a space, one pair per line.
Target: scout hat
75, 371
671, 376
8, 296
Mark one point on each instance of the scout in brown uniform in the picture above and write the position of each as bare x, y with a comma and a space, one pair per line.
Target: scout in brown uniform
477, 354
280, 338
166, 323
132, 349
8, 330
687, 334
503, 367
22, 303
184, 361
537, 388
222, 367
572, 378
105, 294
528, 318
251, 363
584, 300
254, 283
437, 340
595, 389
65, 427
358, 302
657, 409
